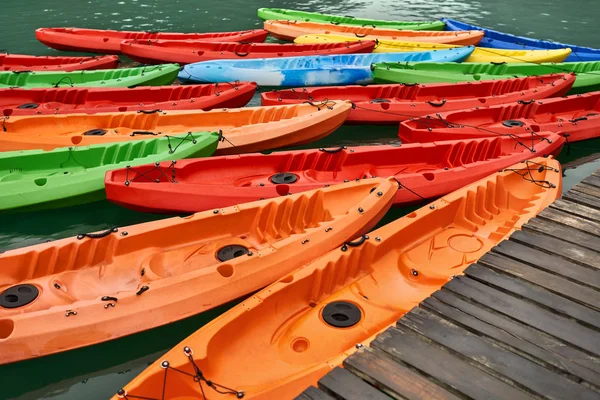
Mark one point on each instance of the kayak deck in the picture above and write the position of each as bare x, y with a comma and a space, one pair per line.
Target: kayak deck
498, 300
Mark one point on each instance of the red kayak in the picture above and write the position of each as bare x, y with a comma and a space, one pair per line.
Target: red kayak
577, 115
99, 100
424, 171
390, 104
187, 52
21, 62
109, 42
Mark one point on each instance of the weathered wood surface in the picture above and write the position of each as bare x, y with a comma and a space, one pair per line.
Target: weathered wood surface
523, 322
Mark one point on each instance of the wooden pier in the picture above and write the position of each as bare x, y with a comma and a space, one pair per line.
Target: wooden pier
523, 322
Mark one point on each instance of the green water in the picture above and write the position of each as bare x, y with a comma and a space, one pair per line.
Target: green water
97, 372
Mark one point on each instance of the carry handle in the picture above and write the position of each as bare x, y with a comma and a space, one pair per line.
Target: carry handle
434, 104
241, 54
497, 63
98, 235
149, 111
143, 133
331, 151
355, 243
526, 101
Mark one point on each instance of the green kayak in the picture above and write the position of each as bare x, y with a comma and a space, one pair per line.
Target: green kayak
154, 75
588, 73
36, 179
293, 15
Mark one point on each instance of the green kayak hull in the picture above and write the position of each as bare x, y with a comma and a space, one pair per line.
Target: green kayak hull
293, 15
154, 75
34, 180
588, 73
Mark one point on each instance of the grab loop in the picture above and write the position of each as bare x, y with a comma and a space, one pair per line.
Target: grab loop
22, 72
142, 290
355, 243
360, 36
331, 151
498, 63
434, 104
241, 54
578, 119
109, 298
98, 235
143, 133
525, 102
369, 25
149, 111
377, 101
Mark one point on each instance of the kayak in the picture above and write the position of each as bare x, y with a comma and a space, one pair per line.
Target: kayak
109, 42
96, 287
345, 69
14, 102
588, 73
154, 75
295, 15
186, 52
390, 104
243, 130
22, 62
36, 179
577, 117
480, 54
503, 40
310, 320
290, 30
425, 171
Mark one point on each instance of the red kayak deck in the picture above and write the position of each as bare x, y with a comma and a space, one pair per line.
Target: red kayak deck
424, 171
99, 100
22, 62
390, 104
577, 115
109, 41
187, 52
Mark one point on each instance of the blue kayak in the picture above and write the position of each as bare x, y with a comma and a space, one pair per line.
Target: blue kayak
500, 40
346, 69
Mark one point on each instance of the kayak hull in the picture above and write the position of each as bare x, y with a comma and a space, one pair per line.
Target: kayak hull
588, 73
145, 269
576, 116
188, 52
247, 129
501, 40
109, 41
295, 15
310, 320
425, 171
290, 30
155, 75
308, 71
21, 62
38, 180
16, 102
390, 104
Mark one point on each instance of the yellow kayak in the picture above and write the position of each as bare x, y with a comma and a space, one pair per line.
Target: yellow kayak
479, 55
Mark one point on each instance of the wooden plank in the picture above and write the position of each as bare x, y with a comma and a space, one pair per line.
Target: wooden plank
580, 161
312, 393
582, 198
342, 384
597, 173
396, 380
509, 333
550, 263
592, 181
552, 245
571, 220
587, 189
580, 210
567, 330
523, 372
446, 369
559, 288
564, 233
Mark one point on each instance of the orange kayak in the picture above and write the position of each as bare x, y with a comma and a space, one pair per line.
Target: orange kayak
290, 30
249, 129
93, 288
287, 336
